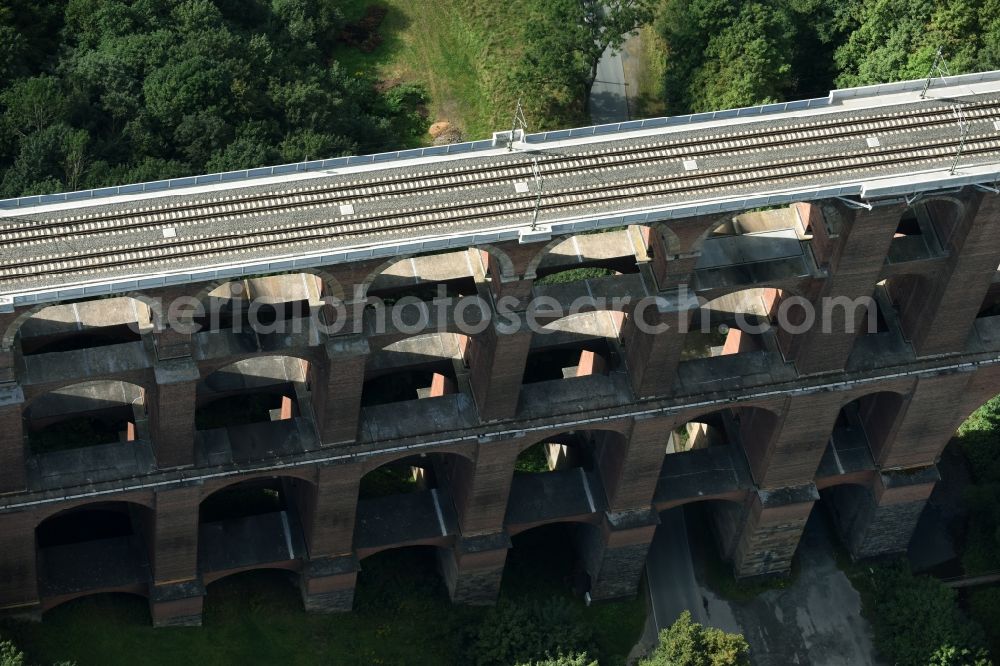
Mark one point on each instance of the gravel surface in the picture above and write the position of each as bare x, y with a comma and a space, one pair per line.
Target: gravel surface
245, 226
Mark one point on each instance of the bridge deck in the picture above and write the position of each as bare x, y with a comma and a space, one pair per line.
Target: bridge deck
859, 143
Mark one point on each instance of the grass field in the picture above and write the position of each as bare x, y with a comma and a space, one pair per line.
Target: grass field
464, 53
402, 616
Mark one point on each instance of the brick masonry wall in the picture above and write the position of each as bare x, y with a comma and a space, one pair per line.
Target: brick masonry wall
941, 323
770, 533
855, 262
784, 445
876, 521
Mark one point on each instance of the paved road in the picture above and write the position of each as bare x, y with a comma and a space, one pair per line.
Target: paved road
817, 620
608, 102
673, 585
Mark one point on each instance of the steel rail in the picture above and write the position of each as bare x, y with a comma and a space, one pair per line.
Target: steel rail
319, 230
19, 233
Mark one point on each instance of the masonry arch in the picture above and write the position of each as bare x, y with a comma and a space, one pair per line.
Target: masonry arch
417, 472
557, 555
425, 567
265, 303
246, 391
417, 368
575, 345
254, 523
136, 595
433, 379
586, 448
583, 256
722, 439
934, 218
53, 328
576, 470
738, 322
255, 408
429, 489
867, 422
420, 275
735, 223
70, 542
691, 232
908, 294
87, 414
424, 277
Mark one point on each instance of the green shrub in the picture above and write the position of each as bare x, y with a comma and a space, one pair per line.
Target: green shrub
979, 438
984, 607
563, 660
687, 643
917, 620
10, 655
518, 633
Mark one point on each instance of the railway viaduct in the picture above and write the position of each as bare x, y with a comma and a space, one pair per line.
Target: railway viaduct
782, 307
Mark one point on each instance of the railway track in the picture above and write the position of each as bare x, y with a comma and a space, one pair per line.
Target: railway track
447, 218
23, 233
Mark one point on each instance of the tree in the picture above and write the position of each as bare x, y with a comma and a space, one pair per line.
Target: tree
31, 105
10, 655
748, 62
580, 659
518, 633
99, 92
567, 40
891, 40
917, 620
687, 643
722, 54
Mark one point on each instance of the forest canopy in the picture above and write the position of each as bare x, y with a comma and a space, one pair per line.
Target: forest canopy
103, 92
722, 54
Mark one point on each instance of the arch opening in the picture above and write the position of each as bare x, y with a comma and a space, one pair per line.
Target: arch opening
738, 323
584, 256
435, 381
425, 366
415, 500
560, 452
87, 432
576, 471
560, 557
425, 277
386, 576
265, 304
924, 229
864, 427
278, 584
254, 408
71, 542
702, 432
758, 247
257, 523
577, 345
84, 325
726, 441
415, 474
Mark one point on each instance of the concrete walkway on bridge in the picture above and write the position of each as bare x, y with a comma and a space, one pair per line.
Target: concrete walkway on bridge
816, 620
